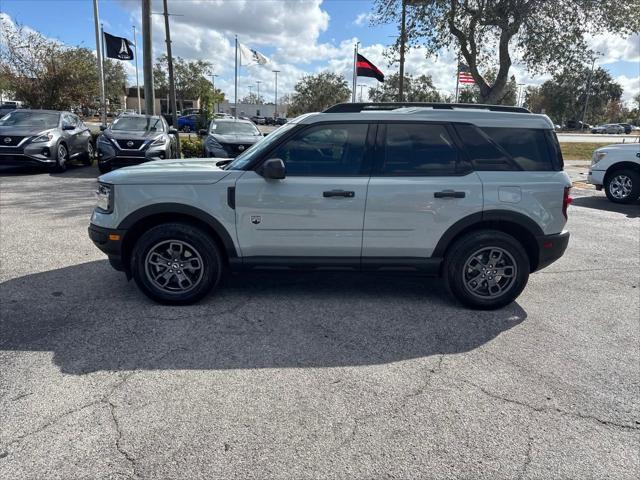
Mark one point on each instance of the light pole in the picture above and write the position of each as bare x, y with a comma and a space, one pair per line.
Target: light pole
361, 87
147, 61
135, 44
213, 83
250, 91
275, 114
520, 95
258, 82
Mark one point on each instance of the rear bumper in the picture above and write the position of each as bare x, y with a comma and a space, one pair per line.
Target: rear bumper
551, 248
110, 241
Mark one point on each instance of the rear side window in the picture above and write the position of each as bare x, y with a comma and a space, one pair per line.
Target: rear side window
418, 149
484, 155
528, 147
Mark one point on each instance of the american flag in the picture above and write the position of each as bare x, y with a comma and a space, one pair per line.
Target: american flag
464, 74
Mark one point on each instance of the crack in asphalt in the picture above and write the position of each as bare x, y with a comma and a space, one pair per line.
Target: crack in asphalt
130, 458
527, 459
539, 409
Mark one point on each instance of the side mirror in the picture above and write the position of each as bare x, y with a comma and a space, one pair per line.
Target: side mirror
103, 128
273, 169
173, 131
202, 132
265, 134
68, 127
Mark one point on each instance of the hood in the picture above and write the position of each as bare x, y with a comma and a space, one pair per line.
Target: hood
168, 172
236, 139
632, 147
23, 131
124, 134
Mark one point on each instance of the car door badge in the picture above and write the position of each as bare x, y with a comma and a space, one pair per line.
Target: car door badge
256, 219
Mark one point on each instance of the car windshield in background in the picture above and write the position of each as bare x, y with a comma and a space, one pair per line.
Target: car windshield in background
234, 128
30, 119
246, 157
137, 124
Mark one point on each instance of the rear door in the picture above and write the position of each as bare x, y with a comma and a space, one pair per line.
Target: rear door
318, 209
420, 186
70, 135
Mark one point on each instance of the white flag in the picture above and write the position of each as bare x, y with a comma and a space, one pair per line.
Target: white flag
248, 56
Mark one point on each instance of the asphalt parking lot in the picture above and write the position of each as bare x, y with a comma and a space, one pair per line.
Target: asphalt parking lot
311, 376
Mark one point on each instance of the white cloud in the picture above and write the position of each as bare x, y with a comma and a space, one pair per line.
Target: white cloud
614, 48
631, 87
362, 19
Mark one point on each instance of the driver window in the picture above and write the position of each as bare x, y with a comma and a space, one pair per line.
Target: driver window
325, 150
68, 120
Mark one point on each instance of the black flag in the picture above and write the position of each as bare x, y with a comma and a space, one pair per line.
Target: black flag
118, 47
364, 68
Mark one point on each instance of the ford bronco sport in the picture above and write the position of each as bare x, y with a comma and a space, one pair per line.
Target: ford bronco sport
475, 194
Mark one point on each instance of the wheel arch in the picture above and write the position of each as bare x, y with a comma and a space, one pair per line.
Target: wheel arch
515, 224
621, 166
138, 222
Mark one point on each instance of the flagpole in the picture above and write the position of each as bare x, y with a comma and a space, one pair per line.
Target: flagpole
236, 81
457, 77
96, 21
355, 73
135, 46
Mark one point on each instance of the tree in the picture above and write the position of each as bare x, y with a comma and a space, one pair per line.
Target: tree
564, 96
115, 80
314, 93
472, 94
190, 78
543, 34
253, 99
416, 89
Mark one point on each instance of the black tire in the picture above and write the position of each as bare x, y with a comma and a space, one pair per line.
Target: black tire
186, 129
104, 167
613, 186
458, 274
62, 157
145, 262
87, 157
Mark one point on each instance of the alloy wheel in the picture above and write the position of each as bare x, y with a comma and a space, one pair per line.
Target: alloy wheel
620, 187
489, 272
174, 266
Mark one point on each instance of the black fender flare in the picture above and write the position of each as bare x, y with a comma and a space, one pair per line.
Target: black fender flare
486, 216
181, 209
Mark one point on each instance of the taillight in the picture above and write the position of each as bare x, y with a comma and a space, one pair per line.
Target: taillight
566, 201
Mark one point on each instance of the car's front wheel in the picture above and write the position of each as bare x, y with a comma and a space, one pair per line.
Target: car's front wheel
87, 157
176, 263
62, 155
486, 269
623, 186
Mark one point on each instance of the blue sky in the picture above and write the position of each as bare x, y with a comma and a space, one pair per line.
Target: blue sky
299, 37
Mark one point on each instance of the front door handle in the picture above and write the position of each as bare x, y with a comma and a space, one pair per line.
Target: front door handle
339, 193
449, 194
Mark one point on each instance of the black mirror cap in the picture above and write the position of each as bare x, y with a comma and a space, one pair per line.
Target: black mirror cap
202, 132
68, 127
103, 128
173, 131
273, 169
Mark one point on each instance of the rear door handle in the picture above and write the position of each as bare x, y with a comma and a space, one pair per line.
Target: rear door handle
449, 194
338, 193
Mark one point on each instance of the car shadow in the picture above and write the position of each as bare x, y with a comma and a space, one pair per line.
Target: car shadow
92, 319
631, 210
74, 169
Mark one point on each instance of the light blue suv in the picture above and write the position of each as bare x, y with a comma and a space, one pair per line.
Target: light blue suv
475, 194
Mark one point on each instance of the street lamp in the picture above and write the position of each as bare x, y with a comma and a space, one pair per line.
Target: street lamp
258, 82
361, 87
213, 83
275, 115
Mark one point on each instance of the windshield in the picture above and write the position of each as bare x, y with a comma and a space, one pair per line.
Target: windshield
233, 128
137, 124
30, 119
246, 157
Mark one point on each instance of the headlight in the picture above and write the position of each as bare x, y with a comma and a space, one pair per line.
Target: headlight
159, 141
45, 137
104, 140
597, 156
104, 195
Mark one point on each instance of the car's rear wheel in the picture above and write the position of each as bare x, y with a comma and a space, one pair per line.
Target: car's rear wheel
176, 263
87, 157
623, 186
486, 269
186, 129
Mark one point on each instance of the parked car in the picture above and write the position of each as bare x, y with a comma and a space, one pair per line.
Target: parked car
577, 125
281, 121
229, 138
269, 121
258, 120
45, 138
610, 128
134, 139
188, 123
616, 168
627, 127
441, 199
191, 111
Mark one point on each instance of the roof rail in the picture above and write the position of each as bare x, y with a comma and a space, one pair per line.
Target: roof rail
359, 107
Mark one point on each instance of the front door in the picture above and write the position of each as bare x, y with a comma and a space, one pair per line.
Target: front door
318, 209
418, 189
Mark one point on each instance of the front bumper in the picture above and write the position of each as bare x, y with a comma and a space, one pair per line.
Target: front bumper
109, 155
110, 241
22, 160
551, 248
596, 177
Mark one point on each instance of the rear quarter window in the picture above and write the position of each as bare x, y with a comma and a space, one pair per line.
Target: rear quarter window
528, 147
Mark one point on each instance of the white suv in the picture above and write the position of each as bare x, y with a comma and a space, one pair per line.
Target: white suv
475, 194
617, 169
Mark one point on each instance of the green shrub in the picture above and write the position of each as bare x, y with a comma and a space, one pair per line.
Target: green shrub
191, 147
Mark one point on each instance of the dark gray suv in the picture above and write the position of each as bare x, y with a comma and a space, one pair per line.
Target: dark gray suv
135, 139
229, 138
44, 138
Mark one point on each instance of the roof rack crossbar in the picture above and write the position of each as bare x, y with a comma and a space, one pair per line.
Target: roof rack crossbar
377, 106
